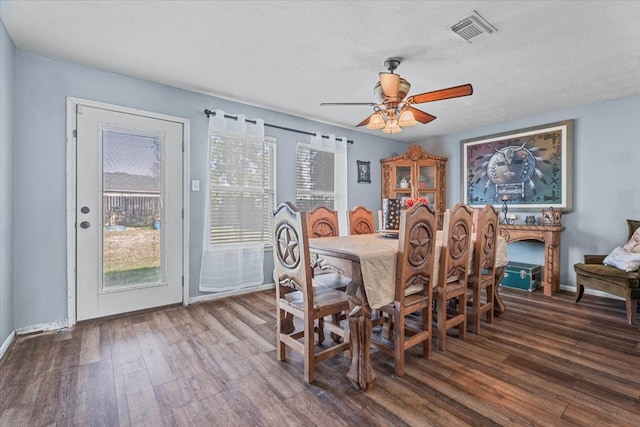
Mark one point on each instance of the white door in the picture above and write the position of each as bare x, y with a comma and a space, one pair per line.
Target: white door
129, 251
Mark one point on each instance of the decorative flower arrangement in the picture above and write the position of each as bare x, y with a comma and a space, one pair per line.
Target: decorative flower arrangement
410, 202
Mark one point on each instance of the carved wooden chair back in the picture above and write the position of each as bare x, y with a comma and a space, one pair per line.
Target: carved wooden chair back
413, 291
322, 222
291, 251
296, 296
482, 279
361, 221
451, 292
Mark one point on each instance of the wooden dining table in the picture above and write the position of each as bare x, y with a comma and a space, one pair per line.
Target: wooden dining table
369, 260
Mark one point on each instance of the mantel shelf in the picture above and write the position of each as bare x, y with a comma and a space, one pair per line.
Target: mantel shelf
531, 227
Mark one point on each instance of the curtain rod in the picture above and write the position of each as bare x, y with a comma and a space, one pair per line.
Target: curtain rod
226, 116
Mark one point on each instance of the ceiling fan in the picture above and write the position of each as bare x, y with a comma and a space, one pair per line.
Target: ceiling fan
394, 111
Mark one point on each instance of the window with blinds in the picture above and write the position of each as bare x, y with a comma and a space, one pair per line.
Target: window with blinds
242, 189
315, 175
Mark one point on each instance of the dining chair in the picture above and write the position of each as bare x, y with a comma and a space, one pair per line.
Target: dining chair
297, 297
322, 222
413, 286
482, 279
451, 293
361, 221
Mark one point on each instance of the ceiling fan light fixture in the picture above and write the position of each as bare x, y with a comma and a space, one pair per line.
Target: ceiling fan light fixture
407, 119
403, 89
392, 127
376, 121
393, 111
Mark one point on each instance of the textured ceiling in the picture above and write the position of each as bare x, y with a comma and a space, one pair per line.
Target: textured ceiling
290, 56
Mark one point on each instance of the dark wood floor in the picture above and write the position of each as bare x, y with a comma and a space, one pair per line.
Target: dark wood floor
547, 361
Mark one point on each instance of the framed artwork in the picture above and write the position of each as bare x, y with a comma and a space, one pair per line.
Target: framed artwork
530, 168
364, 171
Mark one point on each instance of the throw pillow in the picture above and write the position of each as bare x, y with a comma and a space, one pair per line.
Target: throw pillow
623, 260
633, 245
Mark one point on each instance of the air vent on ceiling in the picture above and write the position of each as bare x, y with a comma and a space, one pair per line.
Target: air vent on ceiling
473, 28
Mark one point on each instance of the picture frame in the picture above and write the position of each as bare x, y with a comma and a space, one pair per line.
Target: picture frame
364, 171
529, 168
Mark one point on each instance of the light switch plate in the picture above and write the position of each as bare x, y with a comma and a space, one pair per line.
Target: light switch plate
195, 185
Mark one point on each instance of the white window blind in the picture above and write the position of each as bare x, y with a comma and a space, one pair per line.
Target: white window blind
314, 177
321, 175
242, 189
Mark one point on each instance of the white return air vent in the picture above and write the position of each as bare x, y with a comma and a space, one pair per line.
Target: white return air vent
472, 28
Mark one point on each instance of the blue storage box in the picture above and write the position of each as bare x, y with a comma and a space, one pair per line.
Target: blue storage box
521, 275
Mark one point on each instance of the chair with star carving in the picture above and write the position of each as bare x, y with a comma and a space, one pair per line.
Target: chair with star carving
451, 293
482, 281
298, 297
322, 222
413, 287
361, 221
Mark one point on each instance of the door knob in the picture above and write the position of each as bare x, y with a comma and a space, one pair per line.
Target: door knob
84, 209
85, 224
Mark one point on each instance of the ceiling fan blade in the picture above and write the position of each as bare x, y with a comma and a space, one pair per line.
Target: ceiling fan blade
421, 116
437, 95
390, 84
365, 121
370, 104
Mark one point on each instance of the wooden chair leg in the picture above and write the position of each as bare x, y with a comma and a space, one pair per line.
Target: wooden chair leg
427, 325
491, 298
398, 342
320, 331
337, 318
462, 309
308, 356
579, 292
632, 307
281, 347
441, 307
475, 318
387, 326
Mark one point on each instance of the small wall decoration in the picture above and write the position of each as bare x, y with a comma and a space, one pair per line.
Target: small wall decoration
532, 166
364, 171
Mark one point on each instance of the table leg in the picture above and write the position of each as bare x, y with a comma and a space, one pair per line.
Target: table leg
361, 372
498, 304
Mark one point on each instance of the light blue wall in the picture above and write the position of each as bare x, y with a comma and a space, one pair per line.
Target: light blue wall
7, 97
606, 149
605, 138
42, 85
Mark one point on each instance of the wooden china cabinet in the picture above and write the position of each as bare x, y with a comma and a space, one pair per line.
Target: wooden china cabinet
414, 174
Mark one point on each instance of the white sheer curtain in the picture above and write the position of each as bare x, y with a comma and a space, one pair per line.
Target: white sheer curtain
228, 266
339, 147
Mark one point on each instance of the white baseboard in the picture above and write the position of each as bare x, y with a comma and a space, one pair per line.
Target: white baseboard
42, 327
7, 343
218, 295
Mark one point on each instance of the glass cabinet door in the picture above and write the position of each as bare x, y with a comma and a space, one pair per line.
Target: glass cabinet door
403, 178
430, 196
426, 177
